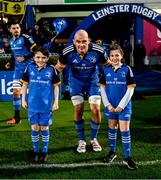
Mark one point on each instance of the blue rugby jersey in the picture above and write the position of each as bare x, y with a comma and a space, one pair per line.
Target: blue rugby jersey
84, 69
116, 83
21, 46
40, 85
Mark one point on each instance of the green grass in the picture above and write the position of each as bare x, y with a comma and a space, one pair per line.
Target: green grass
15, 145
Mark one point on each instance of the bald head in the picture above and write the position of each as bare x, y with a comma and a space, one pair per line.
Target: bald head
81, 32
81, 41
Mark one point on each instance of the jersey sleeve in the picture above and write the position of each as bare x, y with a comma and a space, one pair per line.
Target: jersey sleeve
29, 42
64, 56
101, 53
102, 81
103, 59
63, 59
130, 78
55, 78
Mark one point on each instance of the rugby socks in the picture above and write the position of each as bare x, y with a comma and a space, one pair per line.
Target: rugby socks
45, 140
79, 125
126, 142
112, 136
17, 103
17, 106
94, 129
35, 140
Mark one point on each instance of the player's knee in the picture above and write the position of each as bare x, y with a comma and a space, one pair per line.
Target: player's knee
16, 93
124, 125
78, 109
95, 110
76, 100
95, 99
35, 127
113, 124
43, 128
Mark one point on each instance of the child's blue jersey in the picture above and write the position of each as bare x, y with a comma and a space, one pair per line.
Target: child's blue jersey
84, 69
40, 86
116, 83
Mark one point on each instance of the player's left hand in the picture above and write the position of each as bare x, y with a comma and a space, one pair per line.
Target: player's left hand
20, 59
108, 62
55, 107
118, 109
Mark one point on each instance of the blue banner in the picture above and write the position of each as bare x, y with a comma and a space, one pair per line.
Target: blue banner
6, 90
59, 24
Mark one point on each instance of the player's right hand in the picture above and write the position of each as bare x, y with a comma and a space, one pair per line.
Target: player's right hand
110, 108
24, 104
20, 59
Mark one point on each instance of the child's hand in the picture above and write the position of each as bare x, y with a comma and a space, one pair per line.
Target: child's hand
24, 104
118, 109
55, 107
110, 108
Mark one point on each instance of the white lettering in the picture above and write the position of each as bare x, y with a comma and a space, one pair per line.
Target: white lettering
6, 88
112, 10
106, 11
125, 8
116, 8
3, 87
134, 9
155, 15
150, 14
94, 17
144, 11
10, 88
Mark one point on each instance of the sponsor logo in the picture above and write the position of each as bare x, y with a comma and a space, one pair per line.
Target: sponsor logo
48, 74
108, 75
75, 61
123, 74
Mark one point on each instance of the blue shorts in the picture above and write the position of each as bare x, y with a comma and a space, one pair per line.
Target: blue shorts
78, 87
20, 68
42, 119
124, 115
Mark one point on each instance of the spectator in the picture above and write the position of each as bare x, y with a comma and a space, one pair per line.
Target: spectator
139, 54
127, 48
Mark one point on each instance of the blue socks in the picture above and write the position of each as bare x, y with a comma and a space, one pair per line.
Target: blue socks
45, 140
112, 135
79, 125
94, 129
126, 142
35, 140
17, 107
17, 103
